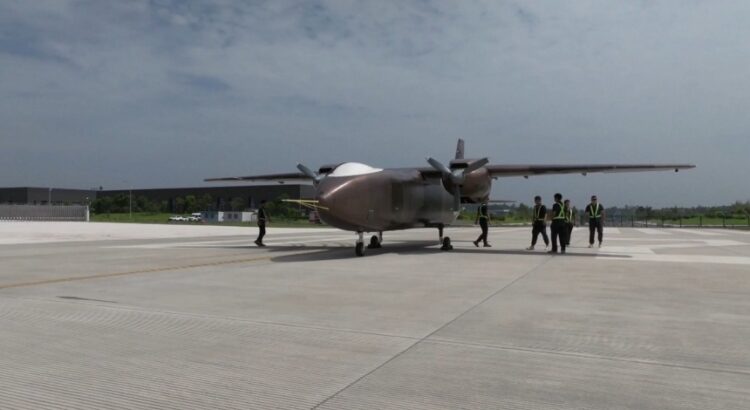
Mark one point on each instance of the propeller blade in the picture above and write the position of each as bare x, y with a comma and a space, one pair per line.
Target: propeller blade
444, 170
476, 165
307, 171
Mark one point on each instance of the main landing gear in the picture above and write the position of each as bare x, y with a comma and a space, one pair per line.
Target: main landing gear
445, 241
359, 248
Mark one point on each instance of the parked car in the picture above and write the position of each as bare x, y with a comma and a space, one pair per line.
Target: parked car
177, 218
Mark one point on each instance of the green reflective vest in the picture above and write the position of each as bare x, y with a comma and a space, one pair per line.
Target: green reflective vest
595, 213
537, 212
561, 214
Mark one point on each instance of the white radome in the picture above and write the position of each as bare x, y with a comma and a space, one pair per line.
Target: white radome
350, 169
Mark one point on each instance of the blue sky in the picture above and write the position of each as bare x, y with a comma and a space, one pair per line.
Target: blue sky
166, 93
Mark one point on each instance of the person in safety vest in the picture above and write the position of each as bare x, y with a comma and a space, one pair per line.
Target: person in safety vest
595, 213
570, 221
558, 226
483, 218
538, 224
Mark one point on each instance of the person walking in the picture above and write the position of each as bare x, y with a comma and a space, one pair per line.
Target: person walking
483, 218
538, 224
263, 218
558, 226
595, 213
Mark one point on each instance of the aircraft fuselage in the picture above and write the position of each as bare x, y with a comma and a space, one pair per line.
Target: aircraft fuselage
374, 200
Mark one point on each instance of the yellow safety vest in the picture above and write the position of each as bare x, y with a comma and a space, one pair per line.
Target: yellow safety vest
594, 212
561, 215
570, 215
538, 211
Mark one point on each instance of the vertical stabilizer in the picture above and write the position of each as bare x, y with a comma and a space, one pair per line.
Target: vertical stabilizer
460, 149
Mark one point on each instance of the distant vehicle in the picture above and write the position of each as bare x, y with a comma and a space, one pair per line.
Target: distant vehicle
177, 218
194, 218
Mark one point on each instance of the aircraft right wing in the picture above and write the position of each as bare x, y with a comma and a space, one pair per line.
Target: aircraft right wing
500, 171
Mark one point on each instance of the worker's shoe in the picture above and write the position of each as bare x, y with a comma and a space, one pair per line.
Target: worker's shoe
476, 243
530, 248
486, 245
591, 245
259, 243
552, 252
600, 244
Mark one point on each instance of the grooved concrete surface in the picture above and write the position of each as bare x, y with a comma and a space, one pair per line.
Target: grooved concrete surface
196, 317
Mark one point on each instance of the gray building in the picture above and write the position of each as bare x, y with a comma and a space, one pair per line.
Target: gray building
43, 196
221, 197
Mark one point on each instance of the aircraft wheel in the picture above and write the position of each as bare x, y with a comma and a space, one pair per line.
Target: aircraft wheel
360, 249
374, 243
446, 244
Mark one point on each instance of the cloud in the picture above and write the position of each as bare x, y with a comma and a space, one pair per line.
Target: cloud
168, 92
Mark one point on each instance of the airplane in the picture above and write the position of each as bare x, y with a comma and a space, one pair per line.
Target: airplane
363, 199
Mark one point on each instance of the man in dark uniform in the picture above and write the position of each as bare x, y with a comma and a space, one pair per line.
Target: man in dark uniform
595, 213
570, 221
558, 226
262, 219
483, 218
538, 225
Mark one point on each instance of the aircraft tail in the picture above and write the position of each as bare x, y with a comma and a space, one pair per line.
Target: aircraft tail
460, 149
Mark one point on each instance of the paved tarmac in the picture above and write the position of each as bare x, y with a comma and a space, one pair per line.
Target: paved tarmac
199, 318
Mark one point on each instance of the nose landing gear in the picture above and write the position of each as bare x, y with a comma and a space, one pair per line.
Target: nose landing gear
375, 242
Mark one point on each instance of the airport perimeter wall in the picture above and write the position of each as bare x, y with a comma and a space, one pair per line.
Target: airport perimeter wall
44, 213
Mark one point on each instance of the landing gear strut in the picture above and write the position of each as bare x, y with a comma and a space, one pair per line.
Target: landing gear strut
359, 248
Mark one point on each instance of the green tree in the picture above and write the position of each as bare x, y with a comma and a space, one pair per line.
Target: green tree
191, 204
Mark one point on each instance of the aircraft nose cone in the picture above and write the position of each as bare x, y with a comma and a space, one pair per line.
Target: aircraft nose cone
337, 204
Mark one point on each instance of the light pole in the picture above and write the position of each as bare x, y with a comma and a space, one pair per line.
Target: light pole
130, 202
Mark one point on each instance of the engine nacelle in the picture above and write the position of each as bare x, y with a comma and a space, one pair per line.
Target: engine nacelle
475, 188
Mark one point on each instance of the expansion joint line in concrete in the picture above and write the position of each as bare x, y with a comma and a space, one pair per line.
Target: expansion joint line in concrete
434, 332
133, 272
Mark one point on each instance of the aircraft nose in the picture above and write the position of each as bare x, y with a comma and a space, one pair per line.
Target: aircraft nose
337, 204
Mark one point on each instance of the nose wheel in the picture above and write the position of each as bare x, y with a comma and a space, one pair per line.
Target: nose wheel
376, 242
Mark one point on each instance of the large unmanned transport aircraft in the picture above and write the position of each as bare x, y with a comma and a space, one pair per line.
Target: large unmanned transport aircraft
359, 198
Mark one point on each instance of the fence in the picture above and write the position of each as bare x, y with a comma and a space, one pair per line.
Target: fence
740, 222
44, 213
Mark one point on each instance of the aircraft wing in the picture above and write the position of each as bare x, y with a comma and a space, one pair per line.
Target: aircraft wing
499, 171
280, 178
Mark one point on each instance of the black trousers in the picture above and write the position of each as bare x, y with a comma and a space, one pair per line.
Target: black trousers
559, 232
539, 228
485, 228
261, 231
595, 224
570, 233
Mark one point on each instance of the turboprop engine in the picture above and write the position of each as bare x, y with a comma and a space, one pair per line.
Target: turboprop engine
466, 180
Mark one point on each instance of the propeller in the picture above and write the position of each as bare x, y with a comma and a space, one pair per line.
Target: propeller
458, 176
309, 173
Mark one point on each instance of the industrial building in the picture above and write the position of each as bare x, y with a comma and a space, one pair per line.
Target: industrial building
45, 196
222, 197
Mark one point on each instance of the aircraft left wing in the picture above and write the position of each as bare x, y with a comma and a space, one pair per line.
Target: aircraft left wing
280, 178
498, 171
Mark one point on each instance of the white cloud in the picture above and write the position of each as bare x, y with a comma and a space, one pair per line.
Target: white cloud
93, 92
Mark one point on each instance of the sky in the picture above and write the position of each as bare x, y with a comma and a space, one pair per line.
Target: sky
165, 93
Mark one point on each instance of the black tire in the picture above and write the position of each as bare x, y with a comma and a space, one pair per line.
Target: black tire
446, 244
374, 242
359, 250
